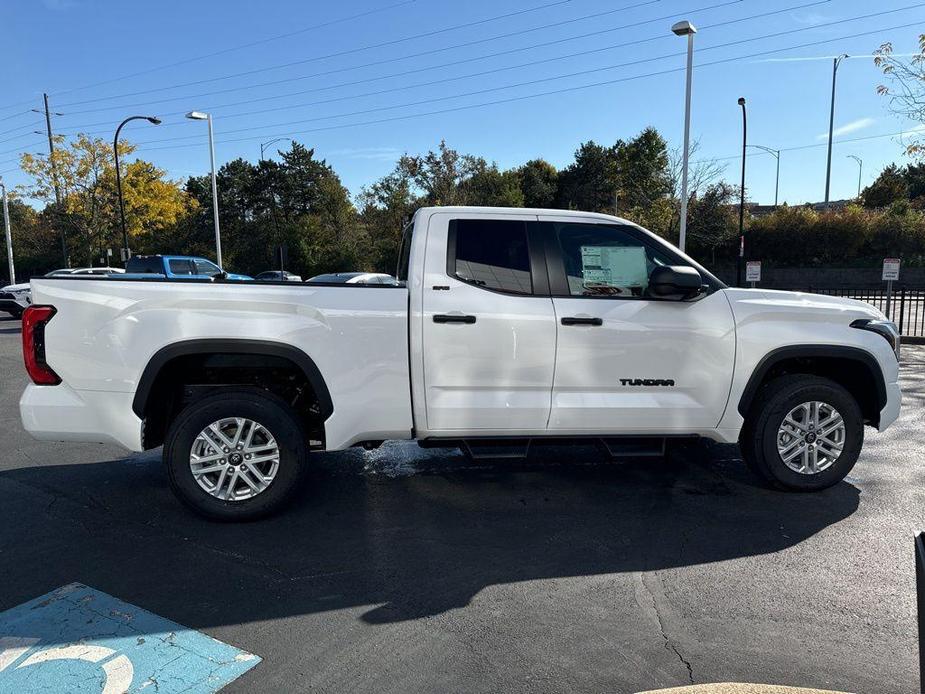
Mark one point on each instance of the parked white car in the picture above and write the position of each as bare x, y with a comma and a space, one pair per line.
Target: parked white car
15, 298
353, 278
512, 328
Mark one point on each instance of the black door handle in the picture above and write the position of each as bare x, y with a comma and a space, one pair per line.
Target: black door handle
572, 320
451, 318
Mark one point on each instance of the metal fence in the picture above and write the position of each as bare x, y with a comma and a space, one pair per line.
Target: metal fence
906, 307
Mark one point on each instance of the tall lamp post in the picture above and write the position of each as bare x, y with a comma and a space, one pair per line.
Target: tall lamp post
154, 120
776, 154
741, 255
860, 171
264, 145
199, 115
687, 29
828, 167
9, 236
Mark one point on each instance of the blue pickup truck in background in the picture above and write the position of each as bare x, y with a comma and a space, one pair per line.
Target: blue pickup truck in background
175, 267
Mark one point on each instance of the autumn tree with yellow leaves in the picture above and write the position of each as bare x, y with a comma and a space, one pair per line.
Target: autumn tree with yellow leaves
84, 172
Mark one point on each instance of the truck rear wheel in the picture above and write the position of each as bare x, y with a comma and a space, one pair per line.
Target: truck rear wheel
237, 455
803, 433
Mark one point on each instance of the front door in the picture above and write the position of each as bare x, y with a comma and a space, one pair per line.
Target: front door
488, 336
628, 361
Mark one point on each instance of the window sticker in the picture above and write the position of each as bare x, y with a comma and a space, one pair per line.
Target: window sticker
615, 266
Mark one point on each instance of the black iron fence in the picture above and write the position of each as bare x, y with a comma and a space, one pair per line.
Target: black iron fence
906, 306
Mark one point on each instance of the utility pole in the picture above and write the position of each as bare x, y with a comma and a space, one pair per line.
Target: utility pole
828, 166
54, 177
741, 258
9, 236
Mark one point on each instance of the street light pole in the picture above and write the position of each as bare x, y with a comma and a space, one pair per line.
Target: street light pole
741, 256
264, 145
828, 167
9, 236
776, 154
860, 171
154, 120
685, 28
198, 115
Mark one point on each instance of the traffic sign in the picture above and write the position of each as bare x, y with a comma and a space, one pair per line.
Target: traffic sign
890, 269
753, 271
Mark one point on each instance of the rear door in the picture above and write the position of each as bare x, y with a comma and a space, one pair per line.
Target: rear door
628, 361
489, 330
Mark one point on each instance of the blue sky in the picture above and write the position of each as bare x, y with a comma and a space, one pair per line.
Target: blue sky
101, 61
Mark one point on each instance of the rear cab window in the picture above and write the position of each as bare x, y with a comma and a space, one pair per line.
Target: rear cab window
490, 253
145, 265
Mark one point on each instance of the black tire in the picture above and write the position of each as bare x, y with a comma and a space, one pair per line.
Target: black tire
758, 440
260, 406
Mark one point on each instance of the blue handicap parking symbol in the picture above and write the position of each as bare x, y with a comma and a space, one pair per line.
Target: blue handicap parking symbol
77, 639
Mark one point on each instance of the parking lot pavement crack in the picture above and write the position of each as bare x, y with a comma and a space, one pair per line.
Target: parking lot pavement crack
657, 612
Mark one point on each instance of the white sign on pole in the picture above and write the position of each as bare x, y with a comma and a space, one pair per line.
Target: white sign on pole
753, 271
890, 269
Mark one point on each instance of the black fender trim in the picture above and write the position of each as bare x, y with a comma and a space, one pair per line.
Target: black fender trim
231, 346
780, 354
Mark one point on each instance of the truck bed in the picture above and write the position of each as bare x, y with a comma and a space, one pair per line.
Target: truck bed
105, 332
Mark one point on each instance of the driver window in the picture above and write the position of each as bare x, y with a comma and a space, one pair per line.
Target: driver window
603, 260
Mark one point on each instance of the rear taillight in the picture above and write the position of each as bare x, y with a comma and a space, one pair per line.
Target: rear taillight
34, 320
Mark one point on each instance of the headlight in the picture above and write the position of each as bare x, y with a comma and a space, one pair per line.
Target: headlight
885, 328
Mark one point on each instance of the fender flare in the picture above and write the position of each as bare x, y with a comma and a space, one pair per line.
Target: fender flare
775, 356
231, 346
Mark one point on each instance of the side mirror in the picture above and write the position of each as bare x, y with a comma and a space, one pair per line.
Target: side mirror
678, 281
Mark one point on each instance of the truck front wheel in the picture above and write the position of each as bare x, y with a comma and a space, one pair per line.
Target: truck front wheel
236, 455
803, 433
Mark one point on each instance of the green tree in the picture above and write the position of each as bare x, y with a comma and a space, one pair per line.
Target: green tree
84, 171
712, 227
538, 183
891, 185
490, 187
590, 183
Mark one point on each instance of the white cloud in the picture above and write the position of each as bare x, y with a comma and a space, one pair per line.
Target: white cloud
847, 128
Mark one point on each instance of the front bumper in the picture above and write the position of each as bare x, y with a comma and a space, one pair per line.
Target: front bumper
890, 411
60, 413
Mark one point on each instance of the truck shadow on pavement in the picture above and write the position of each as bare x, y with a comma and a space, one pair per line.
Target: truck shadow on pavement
395, 534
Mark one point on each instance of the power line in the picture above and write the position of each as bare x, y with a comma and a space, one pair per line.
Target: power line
812, 146
19, 149
488, 90
536, 62
417, 70
381, 44
527, 64
535, 95
242, 46
20, 127
16, 115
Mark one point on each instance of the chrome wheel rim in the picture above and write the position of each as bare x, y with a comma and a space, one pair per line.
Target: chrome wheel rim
234, 459
811, 437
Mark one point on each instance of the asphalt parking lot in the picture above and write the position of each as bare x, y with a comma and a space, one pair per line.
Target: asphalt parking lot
405, 570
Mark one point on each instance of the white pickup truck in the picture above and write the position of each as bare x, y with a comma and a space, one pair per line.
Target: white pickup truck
510, 328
